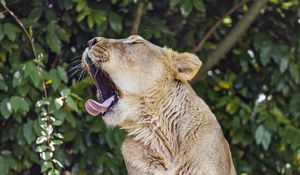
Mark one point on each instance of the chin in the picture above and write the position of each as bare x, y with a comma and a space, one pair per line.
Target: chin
112, 117
122, 113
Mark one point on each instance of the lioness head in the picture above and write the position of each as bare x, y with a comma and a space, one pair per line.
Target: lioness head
126, 70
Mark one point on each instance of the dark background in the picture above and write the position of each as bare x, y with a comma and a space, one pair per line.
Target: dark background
253, 90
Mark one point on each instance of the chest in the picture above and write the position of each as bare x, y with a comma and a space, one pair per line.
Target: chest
143, 159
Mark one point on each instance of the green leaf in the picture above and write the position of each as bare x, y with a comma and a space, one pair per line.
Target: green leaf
1, 15
57, 123
53, 172
283, 64
263, 137
41, 139
23, 89
17, 80
41, 148
109, 140
198, 4
41, 103
10, 30
57, 142
71, 120
115, 22
291, 135
76, 97
35, 14
58, 163
29, 68
30, 32
280, 117
69, 135
222, 101
36, 127
3, 85
96, 127
82, 15
100, 29
6, 152
259, 134
46, 155
173, 3
19, 104
4, 166
46, 166
62, 34
266, 53
1, 32
65, 92
81, 4
50, 14
4, 4
267, 140
53, 41
294, 106
58, 103
90, 21
186, 7
54, 78
99, 17
233, 105
71, 103
62, 74
28, 132
294, 71
31, 71
58, 135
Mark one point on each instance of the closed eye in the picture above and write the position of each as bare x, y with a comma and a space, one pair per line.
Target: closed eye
131, 42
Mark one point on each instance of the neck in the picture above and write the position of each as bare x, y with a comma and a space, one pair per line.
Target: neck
158, 126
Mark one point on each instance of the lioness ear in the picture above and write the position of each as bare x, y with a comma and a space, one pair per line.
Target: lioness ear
187, 65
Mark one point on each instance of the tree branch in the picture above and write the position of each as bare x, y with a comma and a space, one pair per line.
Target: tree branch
216, 25
229, 41
138, 18
4, 11
31, 39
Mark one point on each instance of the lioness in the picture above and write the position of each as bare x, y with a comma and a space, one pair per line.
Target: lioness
144, 89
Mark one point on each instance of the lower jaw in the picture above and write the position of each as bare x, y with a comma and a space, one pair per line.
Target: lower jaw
110, 120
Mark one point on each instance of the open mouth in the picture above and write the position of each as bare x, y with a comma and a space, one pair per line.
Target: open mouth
106, 89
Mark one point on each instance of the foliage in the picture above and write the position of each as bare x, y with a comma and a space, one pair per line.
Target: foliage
254, 91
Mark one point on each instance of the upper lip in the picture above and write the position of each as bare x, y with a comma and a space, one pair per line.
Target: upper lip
105, 86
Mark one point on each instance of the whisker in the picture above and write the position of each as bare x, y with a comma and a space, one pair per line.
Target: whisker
77, 62
75, 57
73, 71
73, 74
74, 67
96, 73
81, 74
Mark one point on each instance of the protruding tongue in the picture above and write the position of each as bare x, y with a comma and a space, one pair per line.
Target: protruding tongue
95, 108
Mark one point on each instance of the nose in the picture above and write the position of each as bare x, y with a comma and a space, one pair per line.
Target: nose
92, 42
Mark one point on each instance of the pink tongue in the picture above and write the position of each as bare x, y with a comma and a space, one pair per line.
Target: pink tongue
95, 108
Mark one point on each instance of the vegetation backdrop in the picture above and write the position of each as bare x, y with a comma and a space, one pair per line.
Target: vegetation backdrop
250, 79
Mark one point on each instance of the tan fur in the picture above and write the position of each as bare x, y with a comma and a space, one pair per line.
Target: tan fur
171, 131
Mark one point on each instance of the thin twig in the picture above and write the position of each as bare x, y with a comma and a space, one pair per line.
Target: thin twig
216, 25
31, 39
231, 38
137, 19
23, 28
3, 11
